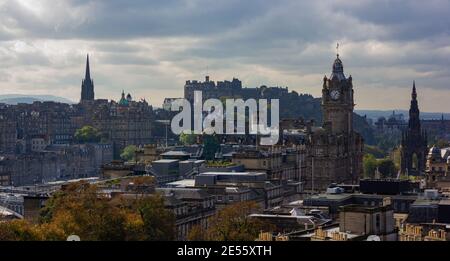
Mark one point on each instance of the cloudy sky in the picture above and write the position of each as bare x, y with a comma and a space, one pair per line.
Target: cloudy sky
150, 48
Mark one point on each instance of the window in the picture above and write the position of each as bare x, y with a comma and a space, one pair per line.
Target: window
377, 221
219, 198
230, 198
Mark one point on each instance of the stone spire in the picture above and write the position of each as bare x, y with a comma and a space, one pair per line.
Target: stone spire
414, 140
87, 85
88, 70
414, 112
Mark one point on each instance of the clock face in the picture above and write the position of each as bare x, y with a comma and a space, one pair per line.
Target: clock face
335, 95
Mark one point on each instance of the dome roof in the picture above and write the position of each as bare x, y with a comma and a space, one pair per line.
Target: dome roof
123, 101
338, 69
338, 66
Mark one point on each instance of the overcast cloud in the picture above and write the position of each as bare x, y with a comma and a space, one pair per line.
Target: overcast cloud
150, 48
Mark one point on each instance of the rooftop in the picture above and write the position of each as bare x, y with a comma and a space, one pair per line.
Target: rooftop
182, 183
234, 173
364, 209
185, 193
176, 153
165, 161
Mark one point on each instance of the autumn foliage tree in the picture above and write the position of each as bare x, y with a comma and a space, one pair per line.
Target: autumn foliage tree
234, 224
80, 209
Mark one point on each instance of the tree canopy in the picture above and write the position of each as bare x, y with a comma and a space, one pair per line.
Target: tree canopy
232, 223
80, 209
210, 146
387, 168
188, 138
87, 134
370, 165
129, 153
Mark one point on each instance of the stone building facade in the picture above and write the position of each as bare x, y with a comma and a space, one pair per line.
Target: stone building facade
122, 123
37, 141
437, 172
8, 133
58, 162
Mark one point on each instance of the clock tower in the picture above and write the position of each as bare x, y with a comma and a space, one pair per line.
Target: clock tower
335, 150
337, 100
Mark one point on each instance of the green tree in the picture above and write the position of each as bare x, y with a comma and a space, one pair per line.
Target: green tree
370, 165
396, 156
188, 138
88, 134
387, 168
210, 146
375, 151
129, 153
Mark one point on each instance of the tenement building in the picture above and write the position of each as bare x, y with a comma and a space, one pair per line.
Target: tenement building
437, 172
123, 123
8, 133
30, 132
56, 162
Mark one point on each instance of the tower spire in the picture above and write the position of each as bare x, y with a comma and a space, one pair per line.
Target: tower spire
87, 85
415, 141
414, 113
337, 50
88, 69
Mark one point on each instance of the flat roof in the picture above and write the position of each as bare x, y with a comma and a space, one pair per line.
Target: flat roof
233, 173
426, 202
176, 153
331, 196
363, 208
166, 161
347, 195
183, 183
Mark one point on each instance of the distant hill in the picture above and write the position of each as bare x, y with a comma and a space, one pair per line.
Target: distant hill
14, 99
375, 114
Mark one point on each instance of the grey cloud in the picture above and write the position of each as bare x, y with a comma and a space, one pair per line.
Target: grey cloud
148, 44
127, 59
